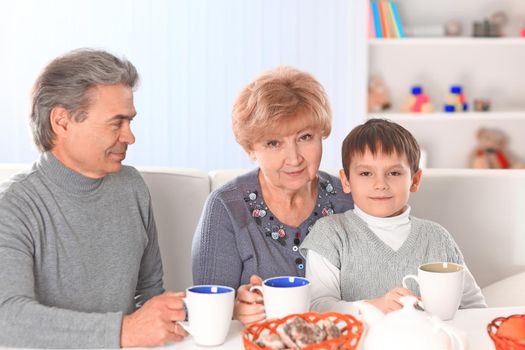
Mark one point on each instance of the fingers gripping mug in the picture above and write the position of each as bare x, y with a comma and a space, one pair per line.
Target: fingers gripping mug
210, 310
441, 287
285, 295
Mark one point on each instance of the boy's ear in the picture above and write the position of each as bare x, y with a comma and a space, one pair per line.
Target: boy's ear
344, 181
416, 180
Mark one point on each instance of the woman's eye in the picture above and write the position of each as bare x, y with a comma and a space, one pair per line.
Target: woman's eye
306, 137
272, 144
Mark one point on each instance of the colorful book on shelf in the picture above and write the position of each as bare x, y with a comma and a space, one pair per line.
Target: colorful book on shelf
384, 20
382, 17
371, 26
389, 19
397, 20
377, 20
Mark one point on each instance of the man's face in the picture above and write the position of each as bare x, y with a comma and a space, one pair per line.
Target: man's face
97, 145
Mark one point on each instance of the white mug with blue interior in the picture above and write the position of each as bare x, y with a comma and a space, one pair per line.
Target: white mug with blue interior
210, 310
285, 295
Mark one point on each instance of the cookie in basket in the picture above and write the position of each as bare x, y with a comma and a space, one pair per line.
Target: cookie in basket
308, 331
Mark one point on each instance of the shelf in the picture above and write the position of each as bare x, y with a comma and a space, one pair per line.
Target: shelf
446, 117
446, 41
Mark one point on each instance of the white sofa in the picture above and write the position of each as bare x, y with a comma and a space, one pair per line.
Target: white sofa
483, 209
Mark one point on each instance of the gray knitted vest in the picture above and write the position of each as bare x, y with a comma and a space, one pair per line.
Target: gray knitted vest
369, 267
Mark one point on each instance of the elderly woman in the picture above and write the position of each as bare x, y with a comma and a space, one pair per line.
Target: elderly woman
253, 225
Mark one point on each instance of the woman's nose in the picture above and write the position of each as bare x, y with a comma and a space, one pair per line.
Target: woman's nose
293, 154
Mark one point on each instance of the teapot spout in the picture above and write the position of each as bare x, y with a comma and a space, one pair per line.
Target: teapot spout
370, 313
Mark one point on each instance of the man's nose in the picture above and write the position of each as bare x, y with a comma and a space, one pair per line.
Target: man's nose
126, 136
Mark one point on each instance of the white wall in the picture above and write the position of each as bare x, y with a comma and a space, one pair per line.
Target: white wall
193, 56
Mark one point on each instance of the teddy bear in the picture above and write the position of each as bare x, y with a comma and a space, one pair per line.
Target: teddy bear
378, 99
491, 152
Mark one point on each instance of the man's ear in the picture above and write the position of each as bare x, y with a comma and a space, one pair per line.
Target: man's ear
59, 118
416, 181
344, 181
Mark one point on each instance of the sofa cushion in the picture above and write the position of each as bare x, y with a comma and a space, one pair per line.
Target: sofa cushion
178, 196
506, 292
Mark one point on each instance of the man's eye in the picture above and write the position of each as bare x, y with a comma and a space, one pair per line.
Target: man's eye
306, 137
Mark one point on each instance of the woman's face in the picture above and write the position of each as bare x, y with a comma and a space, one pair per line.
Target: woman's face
289, 156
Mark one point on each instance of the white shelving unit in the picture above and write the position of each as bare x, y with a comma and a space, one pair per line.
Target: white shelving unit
492, 68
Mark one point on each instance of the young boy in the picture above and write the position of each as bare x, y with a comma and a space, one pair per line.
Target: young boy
364, 253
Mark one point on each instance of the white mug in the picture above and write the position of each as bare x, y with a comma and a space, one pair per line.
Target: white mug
285, 295
441, 287
210, 310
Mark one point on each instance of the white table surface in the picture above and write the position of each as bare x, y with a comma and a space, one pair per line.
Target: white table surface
473, 322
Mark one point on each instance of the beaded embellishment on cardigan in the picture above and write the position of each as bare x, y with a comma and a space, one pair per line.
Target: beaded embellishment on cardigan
279, 232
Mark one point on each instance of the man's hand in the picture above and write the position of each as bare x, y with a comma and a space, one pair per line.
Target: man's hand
155, 323
390, 301
249, 306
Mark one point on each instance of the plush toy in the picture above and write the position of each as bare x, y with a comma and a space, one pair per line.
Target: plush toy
491, 152
378, 99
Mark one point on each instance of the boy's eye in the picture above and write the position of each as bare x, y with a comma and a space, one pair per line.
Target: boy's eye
395, 173
365, 173
306, 137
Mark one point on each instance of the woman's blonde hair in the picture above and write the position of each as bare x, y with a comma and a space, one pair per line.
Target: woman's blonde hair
275, 95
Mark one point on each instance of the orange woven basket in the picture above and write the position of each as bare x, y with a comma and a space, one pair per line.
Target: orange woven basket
504, 343
351, 331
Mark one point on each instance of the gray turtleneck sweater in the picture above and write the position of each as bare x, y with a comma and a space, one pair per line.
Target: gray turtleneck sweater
75, 255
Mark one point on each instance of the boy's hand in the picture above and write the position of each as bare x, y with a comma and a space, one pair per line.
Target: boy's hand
390, 301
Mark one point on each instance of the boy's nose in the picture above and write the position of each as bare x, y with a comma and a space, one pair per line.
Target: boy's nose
381, 184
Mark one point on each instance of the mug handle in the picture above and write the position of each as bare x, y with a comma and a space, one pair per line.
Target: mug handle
407, 277
185, 324
257, 288
414, 277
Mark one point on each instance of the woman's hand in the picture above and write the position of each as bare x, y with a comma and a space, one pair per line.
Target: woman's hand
390, 301
249, 306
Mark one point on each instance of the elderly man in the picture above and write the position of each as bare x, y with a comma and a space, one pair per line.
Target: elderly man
79, 259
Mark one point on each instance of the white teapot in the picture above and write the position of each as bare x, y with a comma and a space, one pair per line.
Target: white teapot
407, 329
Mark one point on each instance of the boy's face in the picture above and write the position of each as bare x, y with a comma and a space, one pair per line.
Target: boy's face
380, 184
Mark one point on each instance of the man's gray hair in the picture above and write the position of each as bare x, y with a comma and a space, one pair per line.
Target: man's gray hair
66, 82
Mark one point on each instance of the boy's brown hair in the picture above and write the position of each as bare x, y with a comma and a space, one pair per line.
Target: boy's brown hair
380, 135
